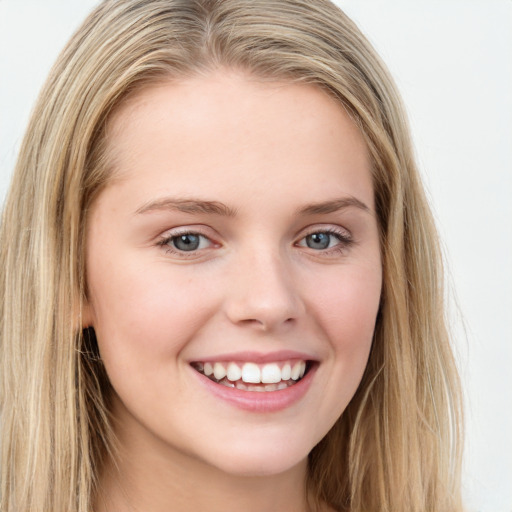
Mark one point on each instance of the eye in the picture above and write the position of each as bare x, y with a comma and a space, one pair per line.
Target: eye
325, 240
185, 242
319, 240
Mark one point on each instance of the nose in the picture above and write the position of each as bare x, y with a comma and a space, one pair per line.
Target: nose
263, 294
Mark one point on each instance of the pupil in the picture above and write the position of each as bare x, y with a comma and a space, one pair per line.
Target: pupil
318, 241
186, 242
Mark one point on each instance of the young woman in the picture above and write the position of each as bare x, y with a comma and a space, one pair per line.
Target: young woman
221, 285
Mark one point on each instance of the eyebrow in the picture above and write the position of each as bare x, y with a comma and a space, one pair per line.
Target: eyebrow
332, 206
197, 206
187, 205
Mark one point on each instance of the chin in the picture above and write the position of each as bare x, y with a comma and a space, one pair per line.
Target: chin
257, 461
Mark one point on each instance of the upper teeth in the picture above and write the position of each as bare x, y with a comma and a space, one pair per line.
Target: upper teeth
253, 373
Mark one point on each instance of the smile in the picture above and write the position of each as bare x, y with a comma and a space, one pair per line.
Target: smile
250, 376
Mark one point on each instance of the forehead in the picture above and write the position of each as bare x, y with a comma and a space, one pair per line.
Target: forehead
227, 125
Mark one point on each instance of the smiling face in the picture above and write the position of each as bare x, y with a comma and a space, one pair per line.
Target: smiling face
237, 238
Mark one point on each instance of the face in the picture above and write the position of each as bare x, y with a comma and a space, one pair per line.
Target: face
237, 236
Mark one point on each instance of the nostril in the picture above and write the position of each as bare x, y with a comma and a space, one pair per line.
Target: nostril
265, 324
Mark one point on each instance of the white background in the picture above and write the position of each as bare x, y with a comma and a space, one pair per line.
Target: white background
452, 61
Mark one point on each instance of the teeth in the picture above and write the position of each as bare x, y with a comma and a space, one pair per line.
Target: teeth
251, 373
241, 385
250, 376
295, 371
219, 371
234, 372
208, 369
286, 372
270, 374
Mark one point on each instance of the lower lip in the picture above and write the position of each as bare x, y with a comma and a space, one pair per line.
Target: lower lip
260, 401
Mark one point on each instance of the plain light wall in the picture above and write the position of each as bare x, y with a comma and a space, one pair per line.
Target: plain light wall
452, 61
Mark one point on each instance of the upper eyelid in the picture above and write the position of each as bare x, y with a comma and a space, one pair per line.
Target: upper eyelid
185, 230
324, 228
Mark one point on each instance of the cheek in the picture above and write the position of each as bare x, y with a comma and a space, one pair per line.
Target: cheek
344, 303
143, 313
346, 306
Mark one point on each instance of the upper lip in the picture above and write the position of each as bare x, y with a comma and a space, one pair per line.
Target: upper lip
256, 357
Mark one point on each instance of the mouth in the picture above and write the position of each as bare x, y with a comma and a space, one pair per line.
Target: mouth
251, 376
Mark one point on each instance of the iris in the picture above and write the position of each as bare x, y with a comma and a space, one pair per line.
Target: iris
318, 240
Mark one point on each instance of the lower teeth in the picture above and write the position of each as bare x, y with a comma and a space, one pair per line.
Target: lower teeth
239, 384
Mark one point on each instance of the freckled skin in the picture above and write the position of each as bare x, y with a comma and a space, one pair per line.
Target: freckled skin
256, 282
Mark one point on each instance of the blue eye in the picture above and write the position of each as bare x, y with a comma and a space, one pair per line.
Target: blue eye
185, 242
325, 240
318, 240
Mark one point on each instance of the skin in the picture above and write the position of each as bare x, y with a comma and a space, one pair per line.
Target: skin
266, 151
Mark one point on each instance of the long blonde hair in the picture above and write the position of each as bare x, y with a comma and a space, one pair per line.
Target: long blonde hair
397, 446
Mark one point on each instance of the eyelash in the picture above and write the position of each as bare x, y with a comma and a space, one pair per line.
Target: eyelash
344, 238
345, 241
166, 242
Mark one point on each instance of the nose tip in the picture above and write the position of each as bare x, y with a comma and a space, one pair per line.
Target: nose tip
265, 297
